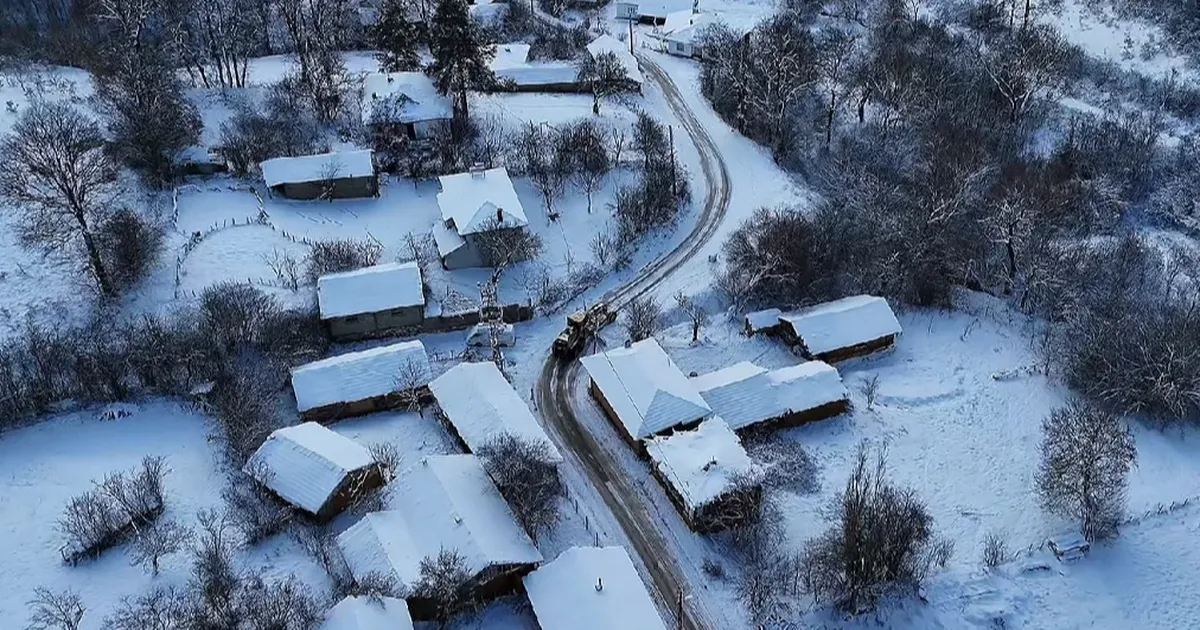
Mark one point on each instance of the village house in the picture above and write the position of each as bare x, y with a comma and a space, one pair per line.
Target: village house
372, 300
363, 382
480, 405
473, 204
443, 502
843, 329
407, 100
591, 588
517, 73
364, 612
643, 392
609, 44
748, 396
197, 160
707, 474
625, 11
314, 469
323, 176
765, 322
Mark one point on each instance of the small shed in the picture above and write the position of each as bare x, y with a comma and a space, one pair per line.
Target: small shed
197, 160
591, 588
363, 382
372, 300
843, 329
471, 204
747, 396
314, 469
707, 474
406, 99
764, 322
342, 175
1069, 547
357, 612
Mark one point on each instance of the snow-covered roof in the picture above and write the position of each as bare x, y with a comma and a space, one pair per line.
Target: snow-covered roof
368, 613
508, 55
512, 62
777, 393
316, 168
305, 464
726, 375
843, 323
482, 405
761, 320
442, 502
359, 375
591, 588
447, 240
684, 26
370, 290
644, 387
703, 463
413, 94
480, 200
608, 43
196, 154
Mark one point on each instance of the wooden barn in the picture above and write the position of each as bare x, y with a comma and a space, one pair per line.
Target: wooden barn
843, 329
343, 175
407, 100
591, 588
372, 301
747, 396
358, 383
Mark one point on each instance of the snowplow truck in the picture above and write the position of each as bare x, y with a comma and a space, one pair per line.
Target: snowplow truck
581, 326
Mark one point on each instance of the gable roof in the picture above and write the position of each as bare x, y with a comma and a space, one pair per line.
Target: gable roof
475, 201
413, 94
316, 168
306, 464
368, 613
359, 375
702, 463
644, 387
442, 502
768, 395
565, 596
843, 323
482, 406
726, 375
608, 43
370, 290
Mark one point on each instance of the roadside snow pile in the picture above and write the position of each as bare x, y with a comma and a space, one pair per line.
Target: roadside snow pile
591, 588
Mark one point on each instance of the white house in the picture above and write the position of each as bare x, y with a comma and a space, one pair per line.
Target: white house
517, 72
371, 300
473, 203
642, 390
314, 469
701, 468
358, 383
625, 10
843, 329
368, 613
591, 588
408, 99
746, 395
323, 176
481, 405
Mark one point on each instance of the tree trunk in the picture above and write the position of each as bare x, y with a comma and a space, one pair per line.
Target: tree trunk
829, 114
93, 252
695, 331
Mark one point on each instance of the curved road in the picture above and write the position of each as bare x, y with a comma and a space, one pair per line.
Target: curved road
557, 382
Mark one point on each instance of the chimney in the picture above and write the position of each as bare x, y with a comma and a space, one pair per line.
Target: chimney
599, 584
477, 171
499, 215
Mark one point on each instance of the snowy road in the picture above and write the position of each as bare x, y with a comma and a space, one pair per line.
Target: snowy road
658, 551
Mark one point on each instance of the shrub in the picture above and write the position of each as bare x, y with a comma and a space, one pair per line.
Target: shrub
232, 314
129, 245
337, 255
642, 317
253, 510
995, 550
121, 503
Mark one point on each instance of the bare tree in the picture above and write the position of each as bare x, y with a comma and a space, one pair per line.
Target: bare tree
527, 477
591, 157
694, 311
1086, 456
160, 609
336, 255
250, 508
605, 76
868, 386
162, 538
619, 138
285, 267
55, 610
837, 48
766, 573
501, 244
1025, 66
642, 317
995, 550
447, 584
62, 182
410, 381
386, 456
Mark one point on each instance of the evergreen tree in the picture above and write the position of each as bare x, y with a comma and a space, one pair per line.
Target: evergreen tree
396, 37
460, 54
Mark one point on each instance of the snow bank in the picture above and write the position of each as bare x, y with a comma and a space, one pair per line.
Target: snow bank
357, 376
702, 463
591, 588
305, 464
370, 290
315, 168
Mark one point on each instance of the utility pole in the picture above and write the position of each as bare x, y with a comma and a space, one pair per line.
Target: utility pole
631, 36
671, 137
679, 614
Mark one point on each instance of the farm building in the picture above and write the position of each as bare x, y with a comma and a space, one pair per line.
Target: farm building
443, 502
707, 474
746, 395
473, 204
843, 329
480, 405
357, 612
763, 322
199, 161
625, 11
405, 99
323, 176
372, 300
643, 392
516, 72
314, 469
591, 588
363, 382
609, 44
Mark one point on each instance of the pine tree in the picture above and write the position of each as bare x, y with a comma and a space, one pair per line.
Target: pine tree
460, 54
396, 37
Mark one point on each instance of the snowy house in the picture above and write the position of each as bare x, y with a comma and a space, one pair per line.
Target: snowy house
358, 383
764, 322
681, 32
746, 395
591, 588
707, 474
407, 99
443, 502
314, 469
474, 203
323, 176
368, 613
197, 160
625, 11
643, 392
372, 300
518, 73
609, 44
842, 329
480, 406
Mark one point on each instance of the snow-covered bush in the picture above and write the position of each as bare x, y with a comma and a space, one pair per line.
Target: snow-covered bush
115, 507
641, 317
343, 254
